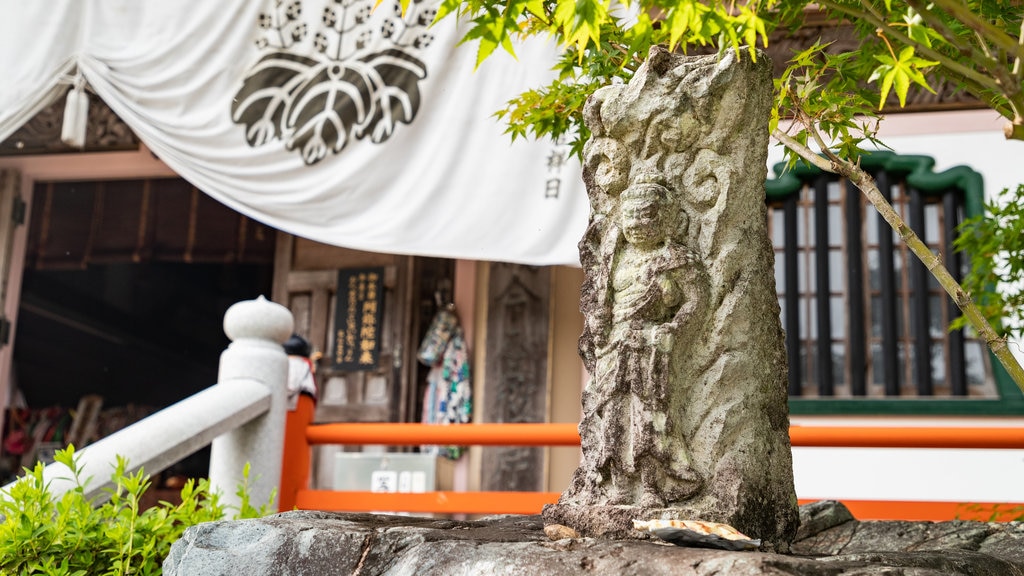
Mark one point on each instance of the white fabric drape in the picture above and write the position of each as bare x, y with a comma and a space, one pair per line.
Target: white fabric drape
447, 183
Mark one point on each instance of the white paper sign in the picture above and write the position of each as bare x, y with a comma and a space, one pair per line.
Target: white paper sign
384, 481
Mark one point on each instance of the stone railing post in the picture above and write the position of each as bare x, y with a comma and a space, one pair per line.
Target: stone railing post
257, 329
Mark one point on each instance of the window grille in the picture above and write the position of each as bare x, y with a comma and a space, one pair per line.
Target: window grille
863, 317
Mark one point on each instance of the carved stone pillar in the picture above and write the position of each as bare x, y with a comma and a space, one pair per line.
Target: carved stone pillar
686, 415
516, 372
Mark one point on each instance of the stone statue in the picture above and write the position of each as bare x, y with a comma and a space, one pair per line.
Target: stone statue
685, 416
656, 292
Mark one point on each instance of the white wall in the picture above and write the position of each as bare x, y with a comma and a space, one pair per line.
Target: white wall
905, 474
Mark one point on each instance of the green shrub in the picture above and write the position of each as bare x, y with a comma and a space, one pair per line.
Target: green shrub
72, 536
991, 512
995, 243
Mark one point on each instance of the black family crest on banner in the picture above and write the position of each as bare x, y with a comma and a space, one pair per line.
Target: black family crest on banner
354, 74
357, 319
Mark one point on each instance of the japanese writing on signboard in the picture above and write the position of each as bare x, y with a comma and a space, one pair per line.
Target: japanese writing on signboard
556, 160
357, 319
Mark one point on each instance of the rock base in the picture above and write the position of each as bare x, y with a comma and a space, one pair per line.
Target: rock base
616, 522
613, 522
830, 544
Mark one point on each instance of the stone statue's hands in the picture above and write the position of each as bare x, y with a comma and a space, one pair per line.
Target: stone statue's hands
636, 338
662, 336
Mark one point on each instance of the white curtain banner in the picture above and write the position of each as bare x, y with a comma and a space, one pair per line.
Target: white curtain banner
343, 121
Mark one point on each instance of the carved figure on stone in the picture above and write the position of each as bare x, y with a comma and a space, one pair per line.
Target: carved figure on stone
656, 293
514, 387
685, 416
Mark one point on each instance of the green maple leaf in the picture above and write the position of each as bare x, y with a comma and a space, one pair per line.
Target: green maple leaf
898, 73
918, 30
752, 27
483, 29
536, 7
581, 22
681, 19
447, 7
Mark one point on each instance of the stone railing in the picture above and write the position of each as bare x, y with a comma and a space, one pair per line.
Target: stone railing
242, 416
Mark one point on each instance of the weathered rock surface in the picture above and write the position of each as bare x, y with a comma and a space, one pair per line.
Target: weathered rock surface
320, 543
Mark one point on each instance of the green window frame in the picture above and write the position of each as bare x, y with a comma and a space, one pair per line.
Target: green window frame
913, 174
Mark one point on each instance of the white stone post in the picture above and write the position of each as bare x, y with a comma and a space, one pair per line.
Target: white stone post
257, 329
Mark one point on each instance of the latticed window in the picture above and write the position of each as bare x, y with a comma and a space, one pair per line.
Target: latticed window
863, 317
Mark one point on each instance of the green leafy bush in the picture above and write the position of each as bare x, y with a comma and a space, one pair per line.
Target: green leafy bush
995, 242
72, 536
991, 512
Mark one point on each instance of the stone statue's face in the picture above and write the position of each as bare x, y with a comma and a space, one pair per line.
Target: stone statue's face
642, 222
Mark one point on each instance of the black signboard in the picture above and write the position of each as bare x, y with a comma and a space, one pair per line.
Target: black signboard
357, 319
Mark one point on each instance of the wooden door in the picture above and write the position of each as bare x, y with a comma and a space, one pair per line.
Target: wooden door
306, 281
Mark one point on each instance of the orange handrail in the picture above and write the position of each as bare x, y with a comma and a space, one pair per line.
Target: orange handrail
565, 434
406, 434
294, 492
443, 502
296, 456
907, 437
440, 502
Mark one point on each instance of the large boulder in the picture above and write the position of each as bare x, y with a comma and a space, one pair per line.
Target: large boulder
319, 543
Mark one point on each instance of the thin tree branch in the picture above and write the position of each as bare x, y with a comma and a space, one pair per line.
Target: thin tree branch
1020, 49
959, 10
803, 152
983, 44
812, 129
968, 75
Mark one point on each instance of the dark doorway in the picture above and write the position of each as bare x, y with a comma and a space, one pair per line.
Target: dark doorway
123, 297
146, 333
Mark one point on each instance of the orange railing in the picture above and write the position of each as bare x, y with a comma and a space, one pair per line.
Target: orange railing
993, 437
300, 435
906, 437
295, 493
470, 434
